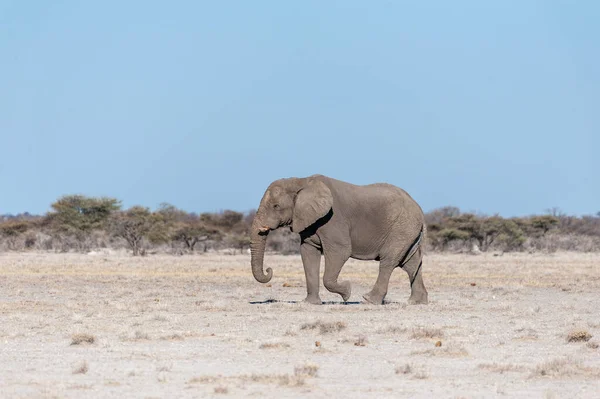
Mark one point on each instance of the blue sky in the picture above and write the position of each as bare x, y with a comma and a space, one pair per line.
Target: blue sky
491, 106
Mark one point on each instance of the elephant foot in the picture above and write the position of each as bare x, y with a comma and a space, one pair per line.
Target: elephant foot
418, 299
313, 300
373, 298
346, 291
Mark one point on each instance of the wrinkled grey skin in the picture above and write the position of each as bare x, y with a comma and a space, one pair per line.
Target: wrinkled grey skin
341, 221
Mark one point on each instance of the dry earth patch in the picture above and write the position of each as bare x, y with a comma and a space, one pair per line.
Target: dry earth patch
199, 326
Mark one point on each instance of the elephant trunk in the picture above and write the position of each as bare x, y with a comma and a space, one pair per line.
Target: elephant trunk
257, 251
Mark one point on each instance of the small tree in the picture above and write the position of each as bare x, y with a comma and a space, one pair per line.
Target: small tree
191, 232
446, 236
511, 236
78, 216
133, 226
78, 213
484, 230
228, 219
544, 223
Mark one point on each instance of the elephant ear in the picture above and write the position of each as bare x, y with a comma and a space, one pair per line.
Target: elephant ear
312, 203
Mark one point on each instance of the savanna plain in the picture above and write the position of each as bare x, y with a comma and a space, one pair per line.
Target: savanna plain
112, 325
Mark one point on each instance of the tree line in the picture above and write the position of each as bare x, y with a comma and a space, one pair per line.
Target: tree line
82, 224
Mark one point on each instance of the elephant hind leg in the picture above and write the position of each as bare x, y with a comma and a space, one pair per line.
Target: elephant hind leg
418, 293
379, 291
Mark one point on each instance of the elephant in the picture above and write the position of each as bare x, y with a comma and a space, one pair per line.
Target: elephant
340, 220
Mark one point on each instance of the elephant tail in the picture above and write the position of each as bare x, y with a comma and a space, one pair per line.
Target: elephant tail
415, 246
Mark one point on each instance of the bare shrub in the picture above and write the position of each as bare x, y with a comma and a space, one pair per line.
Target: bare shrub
164, 367
325, 327
421, 375
452, 350
221, 390
136, 336
361, 340
81, 368
417, 372
593, 345
82, 338
579, 336
290, 380
139, 335
555, 241
306, 370
406, 369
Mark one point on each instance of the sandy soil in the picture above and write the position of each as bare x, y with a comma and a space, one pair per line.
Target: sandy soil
200, 326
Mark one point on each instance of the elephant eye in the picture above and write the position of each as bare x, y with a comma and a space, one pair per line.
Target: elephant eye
276, 206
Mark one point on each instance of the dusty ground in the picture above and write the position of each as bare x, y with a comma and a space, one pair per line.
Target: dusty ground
165, 326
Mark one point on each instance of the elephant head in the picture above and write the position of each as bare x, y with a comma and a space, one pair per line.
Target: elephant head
294, 201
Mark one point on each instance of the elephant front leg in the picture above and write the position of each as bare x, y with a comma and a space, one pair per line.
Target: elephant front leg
311, 260
334, 261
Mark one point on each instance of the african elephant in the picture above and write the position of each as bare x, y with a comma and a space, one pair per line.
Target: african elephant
341, 221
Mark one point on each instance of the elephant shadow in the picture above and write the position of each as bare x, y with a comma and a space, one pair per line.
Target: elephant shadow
269, 301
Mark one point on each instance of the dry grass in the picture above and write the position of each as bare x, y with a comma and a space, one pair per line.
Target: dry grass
426, 333
160, 317
298, 378
278, 379
172, 337
325, 327
501, 368
452, 350
556, 367
205, 379
392, 330
82, 338
564, 367
274, 345
579, 336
